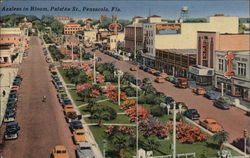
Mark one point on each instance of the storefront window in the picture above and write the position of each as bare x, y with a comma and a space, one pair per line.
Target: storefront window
221, 63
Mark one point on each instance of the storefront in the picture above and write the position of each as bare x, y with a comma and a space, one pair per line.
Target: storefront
201, 75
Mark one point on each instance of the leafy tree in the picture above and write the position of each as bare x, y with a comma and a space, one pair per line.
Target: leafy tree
149, 144
220, 138
81, 22
157, 111
103, 113
32, 18
47, 19
85, 93
121, 141
57, 27
91, 104
108, 75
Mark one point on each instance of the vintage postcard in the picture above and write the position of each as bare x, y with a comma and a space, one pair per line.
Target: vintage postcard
124, 79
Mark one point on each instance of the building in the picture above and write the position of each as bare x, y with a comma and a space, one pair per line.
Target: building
207, 45
130, 37
164, 35
10, 35
90, 35
175, 61
7, 53
247, 27
238, 83
71, 28
62, 19
116, 40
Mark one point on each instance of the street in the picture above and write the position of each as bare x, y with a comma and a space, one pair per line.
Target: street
234, 120
42, 124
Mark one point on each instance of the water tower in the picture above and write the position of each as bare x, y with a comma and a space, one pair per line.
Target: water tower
184, 12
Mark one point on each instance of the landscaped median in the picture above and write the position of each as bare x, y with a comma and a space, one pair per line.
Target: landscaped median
114, 123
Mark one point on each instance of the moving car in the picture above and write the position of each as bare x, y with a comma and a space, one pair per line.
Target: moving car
76, 124
199, 91
211, 125
210, 95
11, 132
182, 83
133, 68
60, 151
78, 136
84, 150
219, 103
192, 114
159, 80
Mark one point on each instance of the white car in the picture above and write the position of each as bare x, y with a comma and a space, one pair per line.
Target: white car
84, 150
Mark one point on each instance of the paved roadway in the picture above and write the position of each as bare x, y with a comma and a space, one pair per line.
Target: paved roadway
42, 124
234, 120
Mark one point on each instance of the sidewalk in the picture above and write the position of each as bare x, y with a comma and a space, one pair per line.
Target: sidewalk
6, 79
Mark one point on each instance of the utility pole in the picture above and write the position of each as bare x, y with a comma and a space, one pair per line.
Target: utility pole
245, 141
94, 70
72, 58
174, 131
135, 44
81, 55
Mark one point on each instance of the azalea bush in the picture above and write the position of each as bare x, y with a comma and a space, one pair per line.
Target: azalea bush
100, 78
111, 92
126, 104
126, 130
142, 113
153, 127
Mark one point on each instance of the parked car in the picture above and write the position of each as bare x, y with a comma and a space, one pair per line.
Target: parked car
66, 107
199, 91
12, 97
146, 69
11, 105
16, 82
133, 68
142, 67
71, 115
78, 136
164, 75
169, 100
62, 96
210, 95
48, 60
146, 81
157, 73
152, 71
13, 92
174, 80
159, 80
76, 124
211, 125
84, 150
219, 103
192, 114
11, 132
60, 151
15, 87
66, 101
10, 115
182, 83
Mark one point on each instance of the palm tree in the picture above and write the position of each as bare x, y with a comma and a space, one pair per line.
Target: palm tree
121, 141
220, 138
103, 113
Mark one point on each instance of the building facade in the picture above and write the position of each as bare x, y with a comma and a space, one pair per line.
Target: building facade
175, 62
115, 40
207, 45
233, 73
71, 28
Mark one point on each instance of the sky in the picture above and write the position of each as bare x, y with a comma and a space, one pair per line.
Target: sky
168, 9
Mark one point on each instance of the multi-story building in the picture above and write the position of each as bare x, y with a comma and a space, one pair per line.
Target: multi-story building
62, 19
90, 35
175, 61
114, 40
10, 35
163, 35
207, 45
71, 28
7, 53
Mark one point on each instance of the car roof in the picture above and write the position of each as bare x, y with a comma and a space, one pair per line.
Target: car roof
60, 147
11, 123
79, 131
84, 144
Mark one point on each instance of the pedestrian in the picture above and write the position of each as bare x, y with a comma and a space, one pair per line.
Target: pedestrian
4, 93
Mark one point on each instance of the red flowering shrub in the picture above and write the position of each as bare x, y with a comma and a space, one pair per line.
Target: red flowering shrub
85, 67
111, 92
100, 78
112, 129
94, 93
81, 87
123, 96
142, 113
189, 134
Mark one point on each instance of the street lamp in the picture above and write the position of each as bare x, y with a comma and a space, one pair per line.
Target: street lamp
104, 142
174, 130
94, 61
245, 133
119, 73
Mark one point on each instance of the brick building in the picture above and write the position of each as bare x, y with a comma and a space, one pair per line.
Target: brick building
71, 28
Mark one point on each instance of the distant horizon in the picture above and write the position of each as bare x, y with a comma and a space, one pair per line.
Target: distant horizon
126, 10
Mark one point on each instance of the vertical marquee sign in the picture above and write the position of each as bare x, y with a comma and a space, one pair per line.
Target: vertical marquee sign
229, 58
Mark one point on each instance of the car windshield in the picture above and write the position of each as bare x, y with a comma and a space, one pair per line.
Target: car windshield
61, 151
81, 133
193, 111
85, 147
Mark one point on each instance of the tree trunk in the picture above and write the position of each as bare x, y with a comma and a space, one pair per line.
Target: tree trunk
221, 146
99, 122
121, 153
